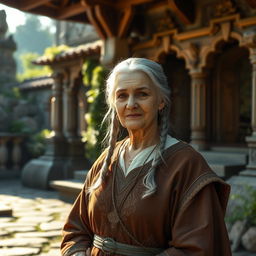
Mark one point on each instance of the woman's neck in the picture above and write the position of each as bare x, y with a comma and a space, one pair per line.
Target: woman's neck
138, 140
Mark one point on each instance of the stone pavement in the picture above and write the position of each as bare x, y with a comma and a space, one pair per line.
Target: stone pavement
38, 216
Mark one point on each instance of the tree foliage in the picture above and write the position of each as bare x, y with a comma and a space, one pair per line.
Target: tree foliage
31, 70
31, 37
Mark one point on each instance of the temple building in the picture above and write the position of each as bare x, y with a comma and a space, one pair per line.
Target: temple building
207, 49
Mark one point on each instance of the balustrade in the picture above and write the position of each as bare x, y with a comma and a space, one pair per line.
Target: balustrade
13, 154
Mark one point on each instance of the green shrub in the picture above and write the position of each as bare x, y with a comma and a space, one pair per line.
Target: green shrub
37, 142
245, 206
94, 76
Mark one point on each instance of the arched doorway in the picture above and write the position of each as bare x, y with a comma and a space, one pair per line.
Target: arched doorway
179, 81
230, 95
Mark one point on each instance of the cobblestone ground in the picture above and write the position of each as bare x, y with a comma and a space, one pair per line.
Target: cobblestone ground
35, 228
38, 216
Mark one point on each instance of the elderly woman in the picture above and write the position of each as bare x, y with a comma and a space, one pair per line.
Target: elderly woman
148, 194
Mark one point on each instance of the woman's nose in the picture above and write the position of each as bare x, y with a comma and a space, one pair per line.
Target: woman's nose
131, 103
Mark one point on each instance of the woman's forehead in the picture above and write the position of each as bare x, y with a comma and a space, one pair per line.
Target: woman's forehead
132, 77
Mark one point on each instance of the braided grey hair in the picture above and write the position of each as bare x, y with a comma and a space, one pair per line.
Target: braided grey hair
156, 74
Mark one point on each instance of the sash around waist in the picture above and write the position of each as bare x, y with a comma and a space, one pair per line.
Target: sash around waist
109, 246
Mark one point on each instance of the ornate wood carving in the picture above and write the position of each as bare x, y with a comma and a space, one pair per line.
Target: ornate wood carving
165, 23
224, 8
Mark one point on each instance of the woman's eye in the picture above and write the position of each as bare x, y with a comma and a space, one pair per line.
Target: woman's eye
121, 96
143, 94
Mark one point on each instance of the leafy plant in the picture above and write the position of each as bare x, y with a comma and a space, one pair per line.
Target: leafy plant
245, 206
17, 126
53, 51
37, 143
31, 70
94, 76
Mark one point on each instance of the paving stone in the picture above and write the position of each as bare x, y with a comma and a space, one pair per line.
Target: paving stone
20, 229
25, 213
52, 252
53, 225
23, 242
35, 219
6, 219
19, 251
15, 224
49, 234
4, 234
55, 245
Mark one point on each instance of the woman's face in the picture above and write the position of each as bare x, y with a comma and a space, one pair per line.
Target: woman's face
136, 101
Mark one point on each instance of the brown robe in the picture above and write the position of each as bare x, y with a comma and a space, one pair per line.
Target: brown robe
185, 216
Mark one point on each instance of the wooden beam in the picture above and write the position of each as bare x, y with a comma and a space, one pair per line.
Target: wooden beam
93, 20
252, 3
71, 10
27, 5
183, 9
104, 17
125, 22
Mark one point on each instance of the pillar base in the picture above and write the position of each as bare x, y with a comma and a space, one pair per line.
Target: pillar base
56, 164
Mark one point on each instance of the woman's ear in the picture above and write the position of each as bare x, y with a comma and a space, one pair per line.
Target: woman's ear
161, 105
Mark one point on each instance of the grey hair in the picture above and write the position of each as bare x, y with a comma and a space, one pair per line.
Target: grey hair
156, 74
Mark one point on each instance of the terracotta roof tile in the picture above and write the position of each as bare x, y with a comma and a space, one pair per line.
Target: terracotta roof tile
36, 83
87, 50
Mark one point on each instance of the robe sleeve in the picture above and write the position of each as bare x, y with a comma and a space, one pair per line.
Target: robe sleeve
77, 234
199, 228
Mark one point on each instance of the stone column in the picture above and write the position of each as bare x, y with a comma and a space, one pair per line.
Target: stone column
249, 41
56, 105
198, 109
52, 165
251, 140
71, 103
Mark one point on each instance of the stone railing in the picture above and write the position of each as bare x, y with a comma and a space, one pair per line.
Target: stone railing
13, 154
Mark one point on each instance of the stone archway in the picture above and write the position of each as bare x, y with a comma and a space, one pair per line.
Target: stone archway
179, 81
230, 101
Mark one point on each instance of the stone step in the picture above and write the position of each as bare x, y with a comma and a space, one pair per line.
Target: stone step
225, 157
68, 189
226, 170
80, 175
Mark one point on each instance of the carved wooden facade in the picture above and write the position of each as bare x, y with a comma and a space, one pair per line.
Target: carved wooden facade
207, 48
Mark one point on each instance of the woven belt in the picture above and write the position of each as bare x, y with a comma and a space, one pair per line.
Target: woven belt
110, 246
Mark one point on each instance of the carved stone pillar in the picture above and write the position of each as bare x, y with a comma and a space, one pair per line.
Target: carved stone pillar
76, 148
3, 153
52, 165
250, 42
198, 109
16, 153
56, 105
70, 106
114, 50
65, 150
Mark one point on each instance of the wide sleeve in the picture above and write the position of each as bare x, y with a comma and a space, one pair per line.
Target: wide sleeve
199, 228
77, 234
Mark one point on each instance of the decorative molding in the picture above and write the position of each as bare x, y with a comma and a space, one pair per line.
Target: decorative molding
224, 8
165, 23
226, 30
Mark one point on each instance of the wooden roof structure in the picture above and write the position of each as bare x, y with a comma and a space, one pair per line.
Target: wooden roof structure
111, 18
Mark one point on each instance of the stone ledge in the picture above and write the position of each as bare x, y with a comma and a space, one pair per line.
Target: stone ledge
68, 189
